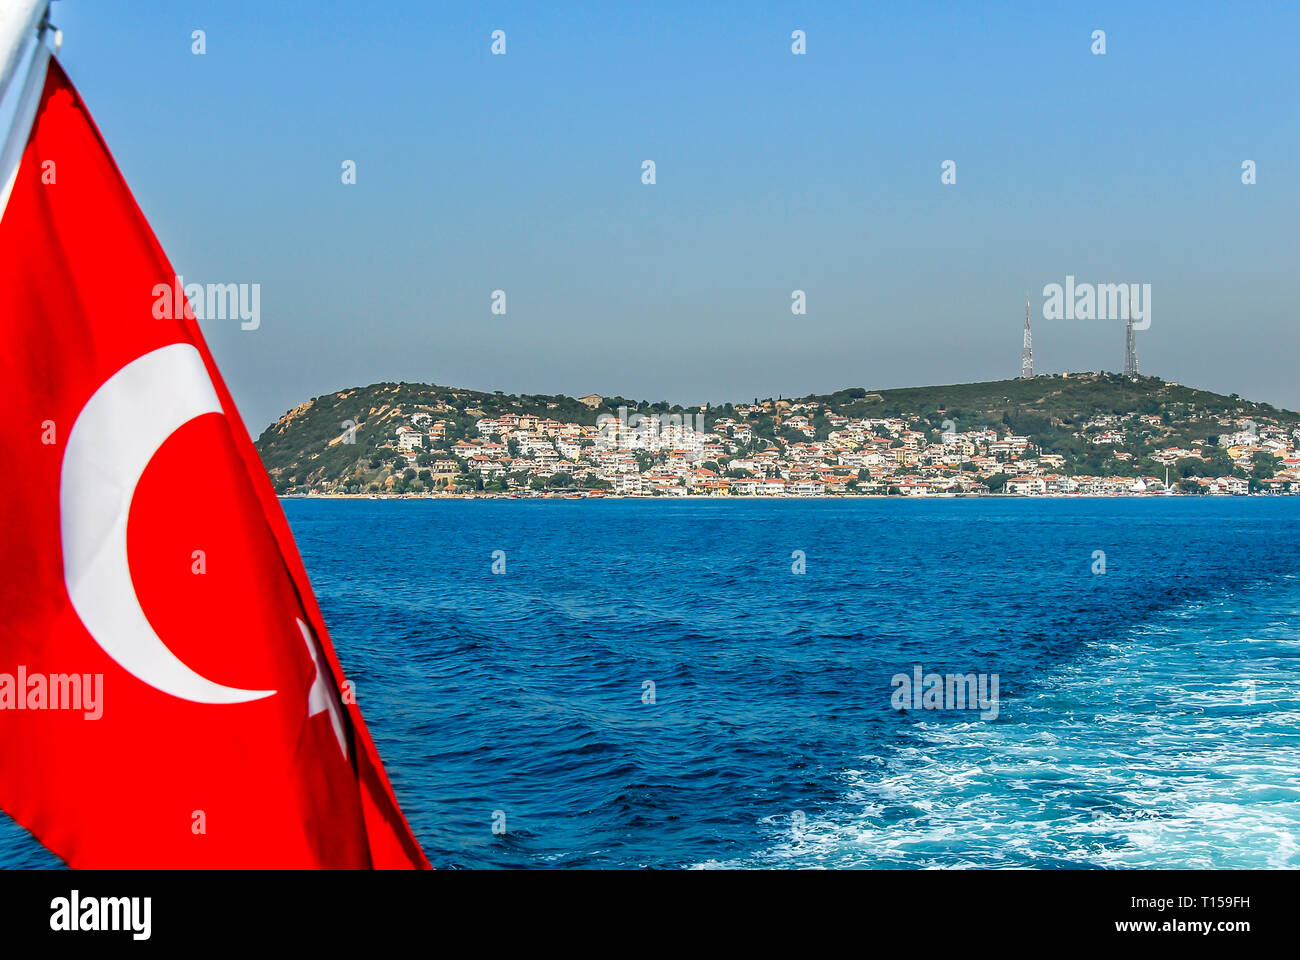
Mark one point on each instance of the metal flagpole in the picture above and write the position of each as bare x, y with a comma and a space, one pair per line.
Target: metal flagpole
19, 22
22, 38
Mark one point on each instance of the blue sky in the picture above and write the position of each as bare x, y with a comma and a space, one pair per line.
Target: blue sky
775, 172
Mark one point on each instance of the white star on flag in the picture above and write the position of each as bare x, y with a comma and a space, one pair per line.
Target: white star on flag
322, 695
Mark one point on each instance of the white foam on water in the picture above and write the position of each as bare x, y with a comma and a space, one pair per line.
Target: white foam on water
1174, 746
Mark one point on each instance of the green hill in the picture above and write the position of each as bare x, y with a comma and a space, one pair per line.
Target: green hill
305, 448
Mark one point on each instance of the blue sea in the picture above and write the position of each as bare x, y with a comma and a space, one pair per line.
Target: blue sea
650, 684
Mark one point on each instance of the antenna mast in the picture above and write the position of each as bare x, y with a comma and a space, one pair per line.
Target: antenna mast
1130, 350
1027, 351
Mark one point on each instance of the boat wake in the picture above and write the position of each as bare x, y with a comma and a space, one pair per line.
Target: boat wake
1176, 746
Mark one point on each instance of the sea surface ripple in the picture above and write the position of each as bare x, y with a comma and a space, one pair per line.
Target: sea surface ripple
1148, 716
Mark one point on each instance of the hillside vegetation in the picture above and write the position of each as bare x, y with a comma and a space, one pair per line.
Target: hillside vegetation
343, 442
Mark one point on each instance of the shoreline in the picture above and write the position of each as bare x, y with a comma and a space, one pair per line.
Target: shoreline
840, 496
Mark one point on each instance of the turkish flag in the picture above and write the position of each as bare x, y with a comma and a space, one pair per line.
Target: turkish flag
169, 696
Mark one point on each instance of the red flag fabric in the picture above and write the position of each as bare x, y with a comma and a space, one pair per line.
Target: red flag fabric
169, 696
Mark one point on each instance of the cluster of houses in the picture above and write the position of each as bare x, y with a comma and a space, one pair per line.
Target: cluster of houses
675, 455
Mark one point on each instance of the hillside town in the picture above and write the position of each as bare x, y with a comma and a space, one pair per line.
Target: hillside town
678, 455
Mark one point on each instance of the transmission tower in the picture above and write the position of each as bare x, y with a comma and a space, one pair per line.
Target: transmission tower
1130, 351
1027, 351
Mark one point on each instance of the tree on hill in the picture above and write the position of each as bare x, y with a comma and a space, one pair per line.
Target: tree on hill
1264, 466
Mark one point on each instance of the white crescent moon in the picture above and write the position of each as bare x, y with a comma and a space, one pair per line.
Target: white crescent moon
114, 437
